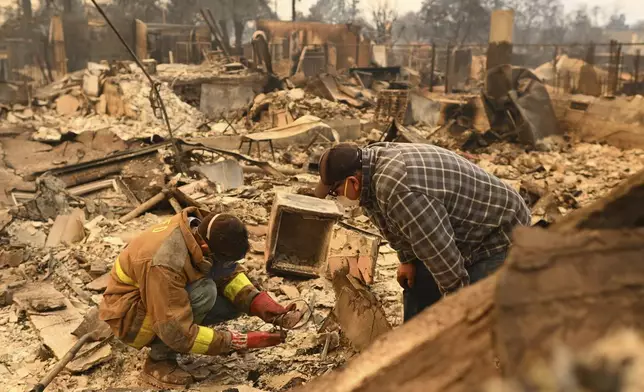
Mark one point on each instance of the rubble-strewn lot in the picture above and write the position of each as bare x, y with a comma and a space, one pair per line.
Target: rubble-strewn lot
115, 114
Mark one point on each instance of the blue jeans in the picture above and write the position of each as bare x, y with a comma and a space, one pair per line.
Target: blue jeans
207, 309
425, 292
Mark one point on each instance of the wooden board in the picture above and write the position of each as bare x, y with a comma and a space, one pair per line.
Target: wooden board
573, 288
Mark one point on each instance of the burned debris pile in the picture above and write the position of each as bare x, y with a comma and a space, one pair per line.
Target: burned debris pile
87, 164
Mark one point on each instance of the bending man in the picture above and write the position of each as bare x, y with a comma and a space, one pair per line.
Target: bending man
448, 219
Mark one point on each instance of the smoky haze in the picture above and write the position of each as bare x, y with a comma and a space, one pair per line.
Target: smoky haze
458, 21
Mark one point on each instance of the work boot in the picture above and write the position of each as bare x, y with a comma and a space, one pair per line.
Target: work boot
165, 374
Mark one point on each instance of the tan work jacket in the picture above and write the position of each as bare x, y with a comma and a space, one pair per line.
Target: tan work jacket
146, 295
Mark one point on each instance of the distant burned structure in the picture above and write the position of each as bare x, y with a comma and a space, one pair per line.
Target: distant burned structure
314, 47
53, 42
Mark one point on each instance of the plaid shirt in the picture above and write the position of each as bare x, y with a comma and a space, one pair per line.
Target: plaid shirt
433, 205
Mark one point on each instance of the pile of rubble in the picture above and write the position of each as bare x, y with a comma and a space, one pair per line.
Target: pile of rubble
117, 98
300, 103
555, 182
103, 97
568, 177
69, 250
60, 236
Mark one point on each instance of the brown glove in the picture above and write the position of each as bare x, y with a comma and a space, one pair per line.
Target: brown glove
264, 307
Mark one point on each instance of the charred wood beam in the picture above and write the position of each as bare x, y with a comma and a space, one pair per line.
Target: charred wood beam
214, 30
81, 173
265, 166
115, 158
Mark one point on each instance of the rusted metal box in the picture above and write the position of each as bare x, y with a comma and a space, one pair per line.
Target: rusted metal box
299, 235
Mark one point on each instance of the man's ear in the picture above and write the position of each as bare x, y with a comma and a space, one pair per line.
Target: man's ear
355, 183
202, 244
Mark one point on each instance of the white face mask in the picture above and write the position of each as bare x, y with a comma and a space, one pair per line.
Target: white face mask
348, 203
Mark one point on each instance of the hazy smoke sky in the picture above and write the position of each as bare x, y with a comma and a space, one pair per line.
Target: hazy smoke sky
633, 9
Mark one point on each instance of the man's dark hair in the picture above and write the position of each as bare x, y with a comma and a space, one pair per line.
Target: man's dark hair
226, 236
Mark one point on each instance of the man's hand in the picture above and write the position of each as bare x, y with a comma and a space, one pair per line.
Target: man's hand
406, 275
264, 307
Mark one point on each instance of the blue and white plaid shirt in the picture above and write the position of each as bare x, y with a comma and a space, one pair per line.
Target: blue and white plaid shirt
433, 205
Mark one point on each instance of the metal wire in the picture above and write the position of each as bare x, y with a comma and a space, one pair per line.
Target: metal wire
280, 318
155, 99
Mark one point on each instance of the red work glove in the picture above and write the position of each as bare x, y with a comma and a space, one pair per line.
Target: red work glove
406, 275
243, 341
264, 307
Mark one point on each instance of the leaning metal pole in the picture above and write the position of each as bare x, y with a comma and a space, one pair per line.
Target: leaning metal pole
155, 90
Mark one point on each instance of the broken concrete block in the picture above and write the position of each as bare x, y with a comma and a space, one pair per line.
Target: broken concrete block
257, 231
12, 118
91, 85
98, 68
259, 98
26, 114
23, 233
51, 200
99, 284
290, 291
101, 106
46, 304
374, 136
227, 174
299, 234
55, 327
45, 134
6, 295
67, 229
296, 94
67, 105
97, 268
256, 246
12, 258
